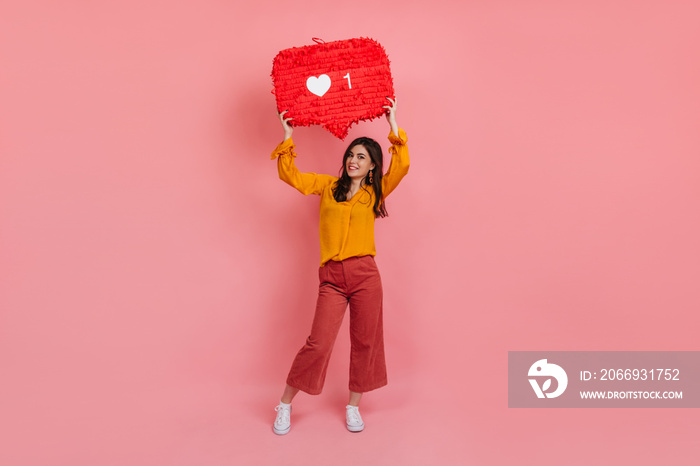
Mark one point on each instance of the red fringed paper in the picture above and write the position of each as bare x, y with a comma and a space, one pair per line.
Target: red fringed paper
333, 84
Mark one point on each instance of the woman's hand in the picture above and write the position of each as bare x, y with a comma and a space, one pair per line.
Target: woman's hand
391, 115
285, 125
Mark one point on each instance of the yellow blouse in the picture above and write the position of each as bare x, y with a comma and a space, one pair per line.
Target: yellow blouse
346, 228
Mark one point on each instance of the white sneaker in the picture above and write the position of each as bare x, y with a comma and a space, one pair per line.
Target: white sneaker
353, 419
282, 422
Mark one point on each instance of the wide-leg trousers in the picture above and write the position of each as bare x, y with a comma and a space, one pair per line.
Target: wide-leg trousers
354, 281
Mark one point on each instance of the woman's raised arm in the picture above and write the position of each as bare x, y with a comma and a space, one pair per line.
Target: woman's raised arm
391, 115
305, 183
285, 125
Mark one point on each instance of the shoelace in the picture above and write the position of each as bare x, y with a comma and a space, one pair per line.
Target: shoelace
282, 415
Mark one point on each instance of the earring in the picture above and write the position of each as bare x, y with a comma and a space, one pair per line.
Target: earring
370, 177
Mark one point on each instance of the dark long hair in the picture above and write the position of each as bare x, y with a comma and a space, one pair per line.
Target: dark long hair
342, 186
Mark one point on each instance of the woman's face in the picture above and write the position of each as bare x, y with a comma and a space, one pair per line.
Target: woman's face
358, 163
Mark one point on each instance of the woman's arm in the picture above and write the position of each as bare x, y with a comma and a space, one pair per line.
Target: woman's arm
398, 168
391, 115
305, 183
285, 125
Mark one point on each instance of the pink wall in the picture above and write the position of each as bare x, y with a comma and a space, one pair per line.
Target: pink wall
156, 277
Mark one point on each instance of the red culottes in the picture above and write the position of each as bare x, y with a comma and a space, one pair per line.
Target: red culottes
355, 281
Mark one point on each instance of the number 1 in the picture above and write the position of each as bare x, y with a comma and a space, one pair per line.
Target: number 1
348, 76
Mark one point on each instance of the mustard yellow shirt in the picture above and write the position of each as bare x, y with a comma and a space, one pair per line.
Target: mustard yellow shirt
346, 228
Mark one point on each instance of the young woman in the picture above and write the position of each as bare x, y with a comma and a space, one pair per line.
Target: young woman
348, 273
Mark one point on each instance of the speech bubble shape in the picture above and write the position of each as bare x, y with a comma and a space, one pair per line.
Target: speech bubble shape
333, 84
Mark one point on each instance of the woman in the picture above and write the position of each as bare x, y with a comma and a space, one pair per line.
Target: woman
348, 273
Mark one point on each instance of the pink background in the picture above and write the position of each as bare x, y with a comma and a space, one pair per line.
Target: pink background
156, 277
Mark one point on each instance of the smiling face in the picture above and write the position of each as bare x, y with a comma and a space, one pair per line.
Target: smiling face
358, 162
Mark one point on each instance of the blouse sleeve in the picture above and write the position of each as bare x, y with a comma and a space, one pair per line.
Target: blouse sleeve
305, 183
398, 168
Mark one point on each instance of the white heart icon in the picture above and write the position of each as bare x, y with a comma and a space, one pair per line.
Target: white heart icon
320, 85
